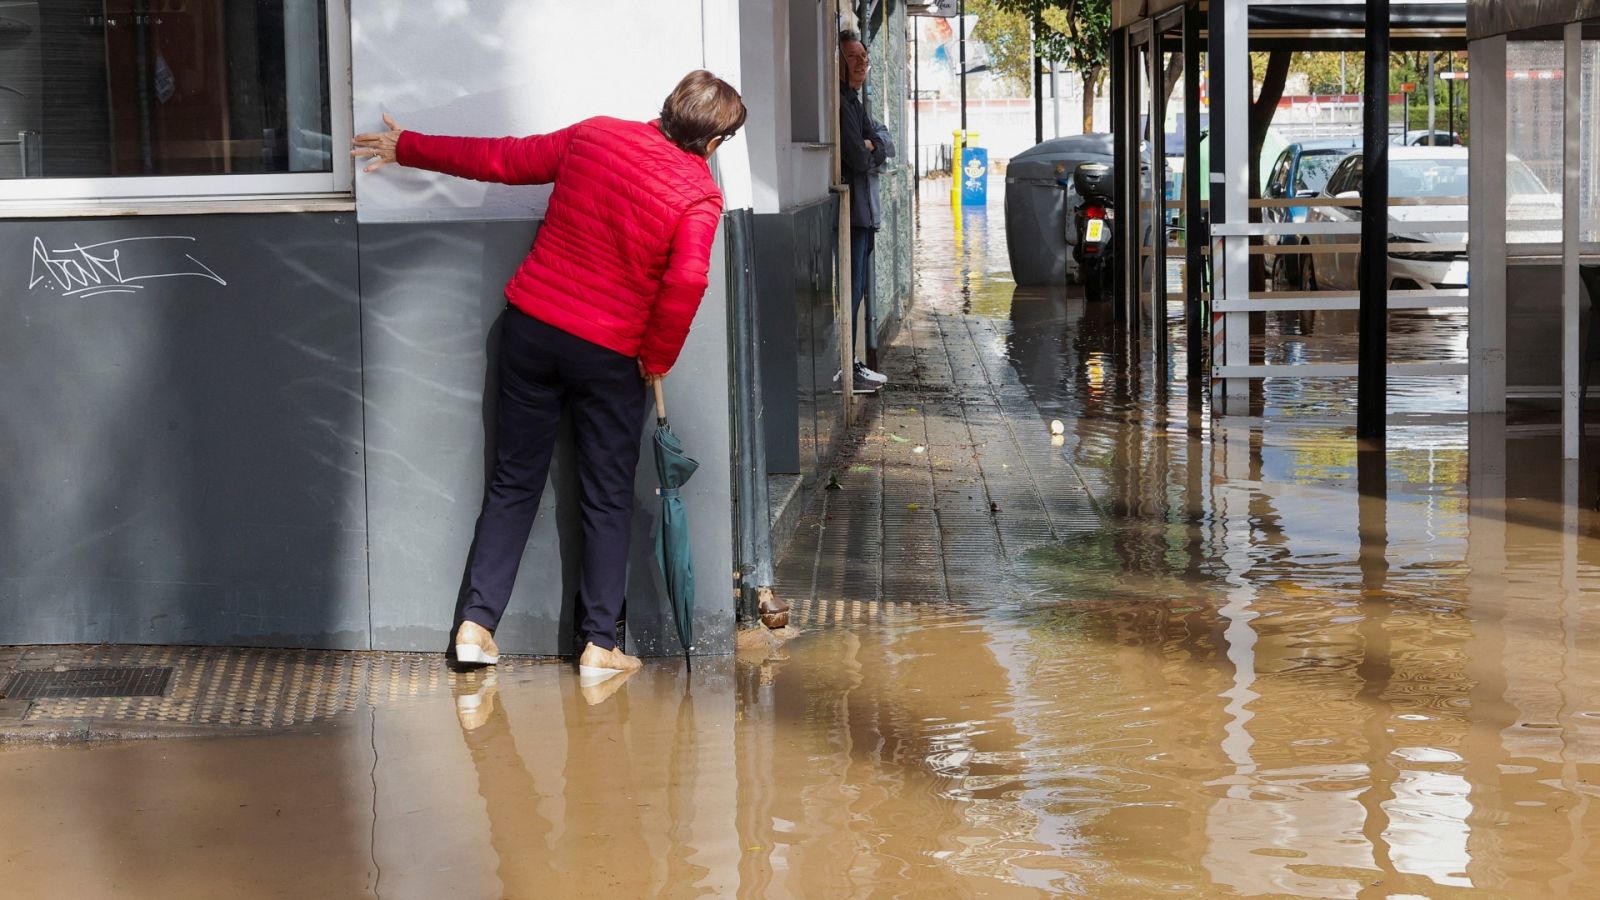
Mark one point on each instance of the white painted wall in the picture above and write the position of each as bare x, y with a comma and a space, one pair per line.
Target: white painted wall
783, 173
499, 67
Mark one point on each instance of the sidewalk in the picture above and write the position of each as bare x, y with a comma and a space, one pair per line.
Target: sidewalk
952, 477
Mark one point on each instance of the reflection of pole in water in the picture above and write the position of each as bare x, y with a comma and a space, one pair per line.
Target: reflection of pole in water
1483, 746
1572, 696
1375, 671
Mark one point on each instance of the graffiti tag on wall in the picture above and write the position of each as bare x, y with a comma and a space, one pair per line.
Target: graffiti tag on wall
115, 267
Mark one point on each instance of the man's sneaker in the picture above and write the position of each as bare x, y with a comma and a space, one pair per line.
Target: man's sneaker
863, 372
863, 385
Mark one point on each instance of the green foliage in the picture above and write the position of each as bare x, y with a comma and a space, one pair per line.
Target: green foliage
1007, 33
1076, 32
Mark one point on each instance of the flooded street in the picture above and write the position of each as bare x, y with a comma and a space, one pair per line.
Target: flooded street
1276, 667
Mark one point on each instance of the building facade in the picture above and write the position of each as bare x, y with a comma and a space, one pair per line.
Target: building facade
250, 389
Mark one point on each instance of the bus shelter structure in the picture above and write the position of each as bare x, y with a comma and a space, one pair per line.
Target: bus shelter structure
1535, 104
1222, 226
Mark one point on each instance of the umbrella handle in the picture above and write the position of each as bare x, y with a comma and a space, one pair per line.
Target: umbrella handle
661, 402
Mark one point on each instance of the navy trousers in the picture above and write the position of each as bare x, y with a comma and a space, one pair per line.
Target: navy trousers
862, 242
544, 370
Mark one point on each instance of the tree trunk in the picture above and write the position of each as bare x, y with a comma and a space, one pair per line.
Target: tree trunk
1169, 81
1090, 82
1262, 112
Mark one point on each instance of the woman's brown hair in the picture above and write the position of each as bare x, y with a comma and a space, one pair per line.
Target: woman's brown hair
699, 110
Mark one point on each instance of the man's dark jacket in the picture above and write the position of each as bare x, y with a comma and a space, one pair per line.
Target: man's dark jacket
855, 128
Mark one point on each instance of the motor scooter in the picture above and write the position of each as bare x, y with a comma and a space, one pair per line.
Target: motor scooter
1093, 218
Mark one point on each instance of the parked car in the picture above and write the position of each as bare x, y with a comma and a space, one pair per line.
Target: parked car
1427, 139
1533, 212
1301, 170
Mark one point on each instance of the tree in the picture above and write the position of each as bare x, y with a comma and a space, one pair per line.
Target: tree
1076, 33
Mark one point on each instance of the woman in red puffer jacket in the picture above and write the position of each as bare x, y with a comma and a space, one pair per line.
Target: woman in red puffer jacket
601, 306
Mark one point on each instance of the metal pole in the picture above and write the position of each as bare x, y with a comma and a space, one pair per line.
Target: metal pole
961, 16
916, 100
1450, 89
1156, 106
755, 529
1372, 385
1571, 210
1038, 76
1055, 96
841, 195
1433, 108
1193, 235
1125, 155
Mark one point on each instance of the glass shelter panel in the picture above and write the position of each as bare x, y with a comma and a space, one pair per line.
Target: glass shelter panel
1534, 144
164, 88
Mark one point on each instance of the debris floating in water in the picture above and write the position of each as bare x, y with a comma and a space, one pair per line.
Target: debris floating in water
1057, 426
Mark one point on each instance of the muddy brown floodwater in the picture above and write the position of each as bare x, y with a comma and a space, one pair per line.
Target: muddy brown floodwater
1280, 668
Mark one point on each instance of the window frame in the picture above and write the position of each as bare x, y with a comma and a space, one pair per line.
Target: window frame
63, 196
1277, 182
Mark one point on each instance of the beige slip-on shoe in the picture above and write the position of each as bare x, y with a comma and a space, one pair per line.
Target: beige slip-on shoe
475, 645
596, 664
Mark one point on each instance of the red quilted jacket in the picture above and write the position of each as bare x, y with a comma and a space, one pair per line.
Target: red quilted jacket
622, 256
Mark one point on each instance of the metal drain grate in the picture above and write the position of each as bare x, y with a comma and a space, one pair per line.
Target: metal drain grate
99, 681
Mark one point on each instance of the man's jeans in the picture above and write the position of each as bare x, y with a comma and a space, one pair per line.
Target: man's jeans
862, 241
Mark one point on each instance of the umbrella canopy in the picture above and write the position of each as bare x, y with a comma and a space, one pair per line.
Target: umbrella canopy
674, 468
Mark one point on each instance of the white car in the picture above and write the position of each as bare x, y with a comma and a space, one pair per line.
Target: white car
1422, 172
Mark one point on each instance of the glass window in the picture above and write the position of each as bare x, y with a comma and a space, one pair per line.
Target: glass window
152, 89
1428, 177
1277, 184
1315, 169
1534, 140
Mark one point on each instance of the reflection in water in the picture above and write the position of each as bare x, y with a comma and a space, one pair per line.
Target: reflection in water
1283, 667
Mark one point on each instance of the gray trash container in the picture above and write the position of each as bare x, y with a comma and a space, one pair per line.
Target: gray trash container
1038, 211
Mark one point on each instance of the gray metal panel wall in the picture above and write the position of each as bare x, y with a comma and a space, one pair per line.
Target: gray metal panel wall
795, 272
433, 296
181, 431
188, 457
777, 292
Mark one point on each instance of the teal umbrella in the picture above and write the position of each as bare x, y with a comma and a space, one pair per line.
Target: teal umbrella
674, 468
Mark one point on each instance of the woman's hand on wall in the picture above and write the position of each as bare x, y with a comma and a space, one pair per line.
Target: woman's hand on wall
378, 145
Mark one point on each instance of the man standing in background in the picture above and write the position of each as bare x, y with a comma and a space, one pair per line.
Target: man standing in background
863, 147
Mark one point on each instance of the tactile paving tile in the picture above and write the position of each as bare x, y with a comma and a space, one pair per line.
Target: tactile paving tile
247, 688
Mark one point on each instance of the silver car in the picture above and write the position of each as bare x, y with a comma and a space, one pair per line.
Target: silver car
1421, 172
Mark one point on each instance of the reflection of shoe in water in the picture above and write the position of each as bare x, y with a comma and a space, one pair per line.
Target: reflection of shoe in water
597, 689
596, 664
475, 700
475, 645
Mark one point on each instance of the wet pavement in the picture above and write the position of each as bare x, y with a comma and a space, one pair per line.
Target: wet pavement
1163, 654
